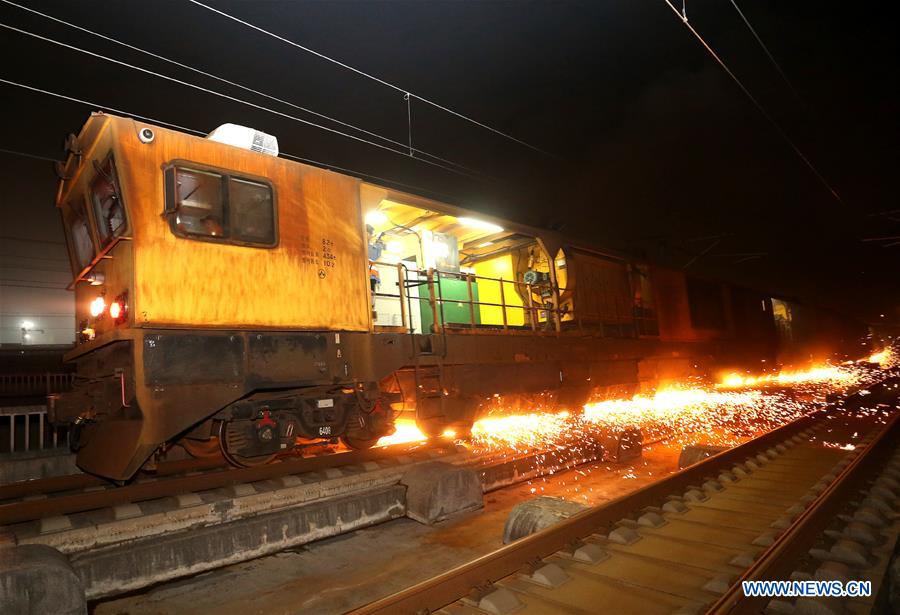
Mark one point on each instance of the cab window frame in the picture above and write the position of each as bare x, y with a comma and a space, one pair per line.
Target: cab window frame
72, 215
226, 176
103, 241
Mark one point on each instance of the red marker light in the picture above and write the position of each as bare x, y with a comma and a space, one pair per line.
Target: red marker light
118, 309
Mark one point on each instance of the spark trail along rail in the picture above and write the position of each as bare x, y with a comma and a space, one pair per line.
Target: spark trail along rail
505, 449
112, 535
684, 543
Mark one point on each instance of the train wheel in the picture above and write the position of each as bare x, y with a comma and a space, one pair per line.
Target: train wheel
201, 449
234, 439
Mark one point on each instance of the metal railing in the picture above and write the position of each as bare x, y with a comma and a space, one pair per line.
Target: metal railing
26, 429
23, 414
35, 384
546, 315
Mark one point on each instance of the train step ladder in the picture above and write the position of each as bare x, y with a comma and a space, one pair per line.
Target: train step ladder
428, 371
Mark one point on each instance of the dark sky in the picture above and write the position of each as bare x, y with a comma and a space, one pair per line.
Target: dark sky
655, 148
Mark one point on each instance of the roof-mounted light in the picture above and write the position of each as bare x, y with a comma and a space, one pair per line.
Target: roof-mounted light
376, 217
481, 225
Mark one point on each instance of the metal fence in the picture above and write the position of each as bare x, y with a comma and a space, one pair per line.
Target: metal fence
26, 429
34, 385
23, 414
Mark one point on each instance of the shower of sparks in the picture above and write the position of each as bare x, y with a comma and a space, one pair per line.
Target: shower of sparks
735, 410
826, 374
523, 432
886, 358
688, 415
406, 431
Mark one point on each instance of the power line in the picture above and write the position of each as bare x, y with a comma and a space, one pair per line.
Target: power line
766, 49
234, 99
372, 77
232, 83
27, 155
757, 104
29, 241
95, 105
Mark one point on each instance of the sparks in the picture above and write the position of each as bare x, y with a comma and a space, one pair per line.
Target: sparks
829, 374
521, 432
733, 411
885, 358
406, 431
685, 415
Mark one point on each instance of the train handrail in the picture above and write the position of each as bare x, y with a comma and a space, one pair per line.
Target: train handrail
548, 313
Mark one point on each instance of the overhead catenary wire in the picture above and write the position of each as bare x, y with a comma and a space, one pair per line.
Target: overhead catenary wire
758, 105
235, 99
98, 106
27, 155
233, 83
200, 133
766, 50
372, 77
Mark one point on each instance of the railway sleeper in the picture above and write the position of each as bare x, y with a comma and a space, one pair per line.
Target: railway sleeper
683, 556
861, 543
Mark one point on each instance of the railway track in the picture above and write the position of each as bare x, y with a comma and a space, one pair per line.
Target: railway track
64, 495
159, 528
120, 539
797, 503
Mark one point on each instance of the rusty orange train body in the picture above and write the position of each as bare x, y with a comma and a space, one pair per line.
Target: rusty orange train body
232, 299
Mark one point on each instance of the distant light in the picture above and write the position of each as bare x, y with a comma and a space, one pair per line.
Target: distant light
27, 324
98, 305
480, 224
115, 309
27, 336
485, 244
376, 217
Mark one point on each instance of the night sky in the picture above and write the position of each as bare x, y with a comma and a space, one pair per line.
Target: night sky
654, 150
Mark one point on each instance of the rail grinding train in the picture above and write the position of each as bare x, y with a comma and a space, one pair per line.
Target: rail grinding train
231, 300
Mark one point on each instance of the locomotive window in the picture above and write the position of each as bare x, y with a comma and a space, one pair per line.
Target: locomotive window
84, 249
205, 204
199, 207
251, 211
108, 208
80, 243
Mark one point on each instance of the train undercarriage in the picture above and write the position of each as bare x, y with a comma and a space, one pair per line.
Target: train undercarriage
254, 395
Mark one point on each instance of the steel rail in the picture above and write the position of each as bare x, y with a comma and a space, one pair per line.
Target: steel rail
777, 562
71, 482
439, 591
29, 510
